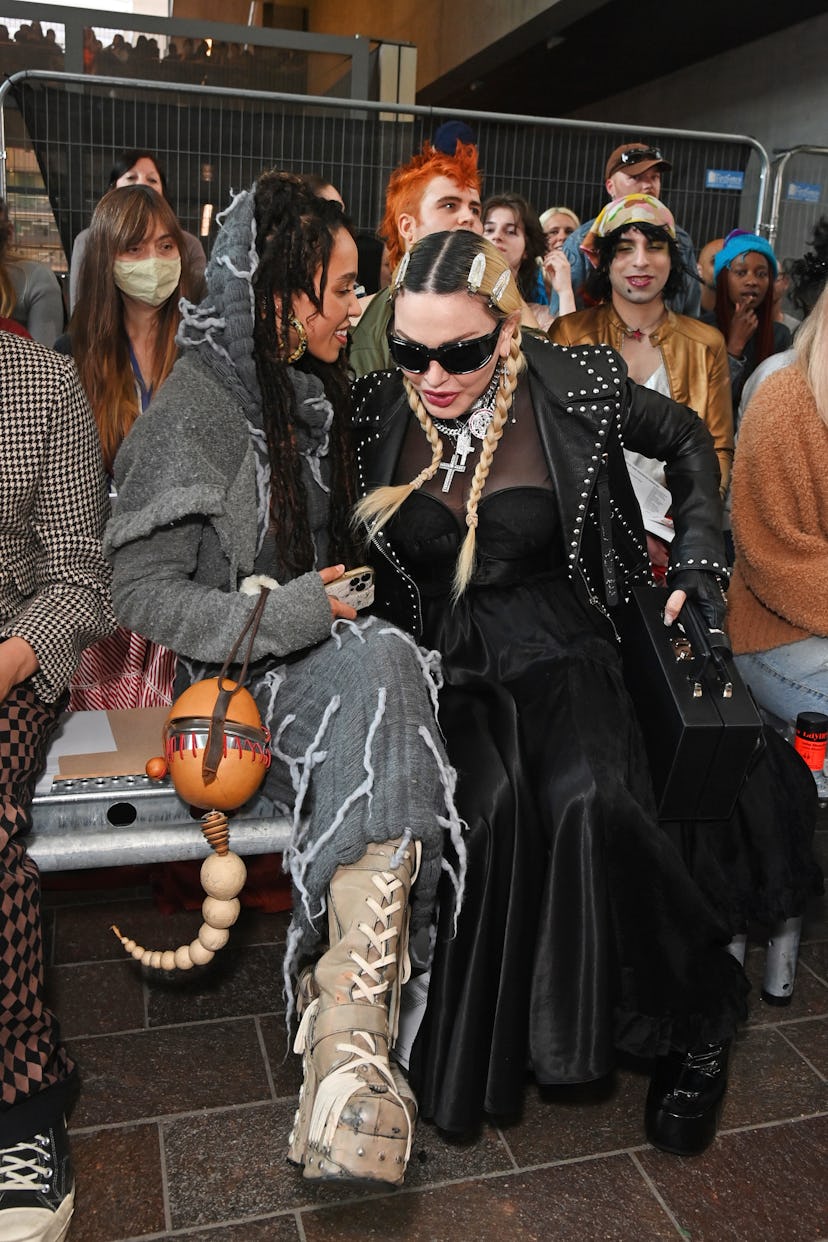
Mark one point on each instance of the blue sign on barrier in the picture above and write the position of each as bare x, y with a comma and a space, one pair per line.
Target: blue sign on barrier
724, 179
803, 192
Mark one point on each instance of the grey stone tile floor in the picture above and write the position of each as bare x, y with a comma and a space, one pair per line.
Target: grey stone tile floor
181, 1125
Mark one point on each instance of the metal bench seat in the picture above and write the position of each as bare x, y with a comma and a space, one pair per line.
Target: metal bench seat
114, 821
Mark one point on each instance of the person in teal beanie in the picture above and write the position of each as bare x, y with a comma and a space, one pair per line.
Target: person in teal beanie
744, 270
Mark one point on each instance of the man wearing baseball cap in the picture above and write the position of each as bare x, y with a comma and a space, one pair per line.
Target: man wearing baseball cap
636, 168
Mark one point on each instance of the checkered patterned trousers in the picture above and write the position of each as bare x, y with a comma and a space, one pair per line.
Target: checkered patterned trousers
32, 1055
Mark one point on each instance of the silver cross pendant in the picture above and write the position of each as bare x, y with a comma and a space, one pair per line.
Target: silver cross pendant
457, 465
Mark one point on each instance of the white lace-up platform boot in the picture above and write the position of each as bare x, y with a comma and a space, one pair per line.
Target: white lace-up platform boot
356, 1112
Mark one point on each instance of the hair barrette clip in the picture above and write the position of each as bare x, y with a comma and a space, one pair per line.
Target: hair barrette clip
476, 273
399, 275
499, 288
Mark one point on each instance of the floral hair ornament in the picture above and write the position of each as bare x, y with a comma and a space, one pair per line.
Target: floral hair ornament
476, 273
499, 288
399, 275
628, 210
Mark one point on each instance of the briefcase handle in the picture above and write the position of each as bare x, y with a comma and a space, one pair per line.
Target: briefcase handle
711, 647
713, 650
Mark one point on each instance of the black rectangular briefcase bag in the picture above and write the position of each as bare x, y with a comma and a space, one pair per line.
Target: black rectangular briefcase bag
701, 727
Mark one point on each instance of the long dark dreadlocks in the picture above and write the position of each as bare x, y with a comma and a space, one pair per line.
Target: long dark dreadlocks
295, 233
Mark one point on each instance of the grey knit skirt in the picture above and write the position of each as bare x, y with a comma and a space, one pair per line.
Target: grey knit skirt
357, 758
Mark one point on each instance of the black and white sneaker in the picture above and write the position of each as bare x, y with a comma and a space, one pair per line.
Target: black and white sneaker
37, 1191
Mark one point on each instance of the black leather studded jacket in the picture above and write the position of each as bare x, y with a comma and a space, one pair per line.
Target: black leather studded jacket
587, 411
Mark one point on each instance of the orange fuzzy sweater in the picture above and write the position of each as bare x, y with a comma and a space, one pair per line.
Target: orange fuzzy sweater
779, 592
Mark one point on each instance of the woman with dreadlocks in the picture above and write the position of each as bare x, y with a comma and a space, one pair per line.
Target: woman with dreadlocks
242, 468
495, 480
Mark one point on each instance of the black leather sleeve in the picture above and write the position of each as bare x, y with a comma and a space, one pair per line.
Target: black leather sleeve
658, 427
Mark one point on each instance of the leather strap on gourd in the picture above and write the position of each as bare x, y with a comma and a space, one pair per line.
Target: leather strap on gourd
214, 749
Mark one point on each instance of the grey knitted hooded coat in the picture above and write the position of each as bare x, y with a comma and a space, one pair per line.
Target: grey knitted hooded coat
356, 751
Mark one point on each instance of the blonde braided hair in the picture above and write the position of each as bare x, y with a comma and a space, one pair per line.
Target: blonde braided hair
380, 505
512, 367
440, 263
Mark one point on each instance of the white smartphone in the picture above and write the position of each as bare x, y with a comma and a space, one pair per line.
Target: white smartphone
354, 587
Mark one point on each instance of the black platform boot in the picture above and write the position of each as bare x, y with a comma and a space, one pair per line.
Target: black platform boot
684, 1099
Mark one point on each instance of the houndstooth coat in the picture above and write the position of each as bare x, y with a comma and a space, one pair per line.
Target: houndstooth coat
54, 581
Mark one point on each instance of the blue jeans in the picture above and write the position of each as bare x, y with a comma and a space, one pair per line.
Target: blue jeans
790, 679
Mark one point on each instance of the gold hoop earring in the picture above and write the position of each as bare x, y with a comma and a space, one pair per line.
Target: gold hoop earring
300, 331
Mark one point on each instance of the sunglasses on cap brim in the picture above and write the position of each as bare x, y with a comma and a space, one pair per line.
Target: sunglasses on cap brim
459, 359
640, 153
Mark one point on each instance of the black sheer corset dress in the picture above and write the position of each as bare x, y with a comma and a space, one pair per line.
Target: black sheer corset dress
581, 930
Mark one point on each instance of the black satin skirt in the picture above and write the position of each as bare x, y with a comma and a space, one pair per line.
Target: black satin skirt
582, 930
759, 866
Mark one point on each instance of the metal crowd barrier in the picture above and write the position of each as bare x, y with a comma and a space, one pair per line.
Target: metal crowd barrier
799, 198
213, 141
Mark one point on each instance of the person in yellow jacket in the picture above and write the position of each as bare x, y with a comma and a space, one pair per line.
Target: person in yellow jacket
637, 266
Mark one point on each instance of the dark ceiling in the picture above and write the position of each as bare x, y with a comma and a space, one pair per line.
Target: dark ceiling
578, 52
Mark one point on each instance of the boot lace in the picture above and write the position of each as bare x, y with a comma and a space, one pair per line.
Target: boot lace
337, 1098
369, 984
26, 1166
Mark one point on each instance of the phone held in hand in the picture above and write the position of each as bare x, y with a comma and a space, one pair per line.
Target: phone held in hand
355, 587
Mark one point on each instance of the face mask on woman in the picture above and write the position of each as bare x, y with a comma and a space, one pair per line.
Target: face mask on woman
147, 280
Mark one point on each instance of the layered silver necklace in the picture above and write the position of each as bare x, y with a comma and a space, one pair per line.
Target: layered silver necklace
475, 423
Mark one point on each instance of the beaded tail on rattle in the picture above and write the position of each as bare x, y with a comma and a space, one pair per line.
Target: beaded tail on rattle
222, 878
217, 752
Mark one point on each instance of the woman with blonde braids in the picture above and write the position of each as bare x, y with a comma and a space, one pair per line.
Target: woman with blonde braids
493, 515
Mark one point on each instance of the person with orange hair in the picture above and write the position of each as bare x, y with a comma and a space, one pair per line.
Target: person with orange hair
432, 193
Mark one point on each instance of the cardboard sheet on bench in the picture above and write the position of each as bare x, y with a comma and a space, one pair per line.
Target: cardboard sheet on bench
136, 737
